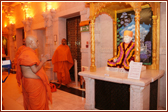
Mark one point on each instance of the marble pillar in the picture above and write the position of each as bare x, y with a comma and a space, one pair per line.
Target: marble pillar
48, 19
139, 97
90, 93
27, 26
11, 33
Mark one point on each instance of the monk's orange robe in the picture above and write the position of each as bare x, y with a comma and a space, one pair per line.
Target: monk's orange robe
17, 53
62, 61
36, 92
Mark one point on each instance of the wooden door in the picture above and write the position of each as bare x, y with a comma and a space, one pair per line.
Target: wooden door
74, 42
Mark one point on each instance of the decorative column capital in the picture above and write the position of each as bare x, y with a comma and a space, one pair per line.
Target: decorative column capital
154, 17
27, 23
8, 10
137, 9
136, 5
49, 17
11, 29
92, 21
114, 22
53, 12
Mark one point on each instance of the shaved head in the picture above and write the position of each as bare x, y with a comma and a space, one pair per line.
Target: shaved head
63, 41
31, 41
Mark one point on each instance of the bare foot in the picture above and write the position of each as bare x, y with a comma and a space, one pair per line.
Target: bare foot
67, 86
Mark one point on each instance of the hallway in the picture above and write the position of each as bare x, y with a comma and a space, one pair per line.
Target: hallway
62, 100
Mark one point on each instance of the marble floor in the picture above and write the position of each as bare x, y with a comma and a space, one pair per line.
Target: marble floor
62, 100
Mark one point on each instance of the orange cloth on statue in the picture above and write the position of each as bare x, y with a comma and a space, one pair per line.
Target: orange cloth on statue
17, 53
62, 61
36, 92
129, 33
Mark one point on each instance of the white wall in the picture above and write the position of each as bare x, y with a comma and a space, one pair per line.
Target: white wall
40, 34
163, 54
104, 39
85, 36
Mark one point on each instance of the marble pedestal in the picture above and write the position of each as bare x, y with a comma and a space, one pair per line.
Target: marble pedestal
139, 89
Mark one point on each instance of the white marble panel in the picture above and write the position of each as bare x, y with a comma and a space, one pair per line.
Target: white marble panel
106, 31
139, 97
84, 59
90, 93
163, 53
85, 36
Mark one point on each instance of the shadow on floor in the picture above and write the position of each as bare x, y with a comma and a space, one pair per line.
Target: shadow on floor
71, 90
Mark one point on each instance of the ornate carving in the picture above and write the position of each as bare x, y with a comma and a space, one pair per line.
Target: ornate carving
26, 9
8, 10
11, 30
107, 7
100, 8
92, 67
153, 7
135, 5
27, 24
154, 41
106, 11
114, 38
48, 17
99, 5
137, 34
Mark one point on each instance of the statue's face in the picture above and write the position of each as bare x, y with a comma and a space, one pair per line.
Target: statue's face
127, 39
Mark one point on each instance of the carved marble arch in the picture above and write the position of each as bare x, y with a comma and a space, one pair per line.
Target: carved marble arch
111, 8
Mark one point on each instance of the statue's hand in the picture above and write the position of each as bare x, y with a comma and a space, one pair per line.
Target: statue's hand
115, 59
130, 62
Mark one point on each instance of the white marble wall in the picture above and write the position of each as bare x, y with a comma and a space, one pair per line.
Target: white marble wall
61, 29
163, 57
85, 36
103, 39
41, 39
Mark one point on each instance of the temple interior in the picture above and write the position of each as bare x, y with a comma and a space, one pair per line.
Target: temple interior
93, 31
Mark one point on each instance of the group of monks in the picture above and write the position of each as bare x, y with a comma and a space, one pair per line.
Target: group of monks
31, 75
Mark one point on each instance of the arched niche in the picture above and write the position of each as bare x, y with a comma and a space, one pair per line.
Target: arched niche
112, 8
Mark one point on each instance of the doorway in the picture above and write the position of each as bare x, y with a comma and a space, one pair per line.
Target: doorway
74, 42
19, 37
